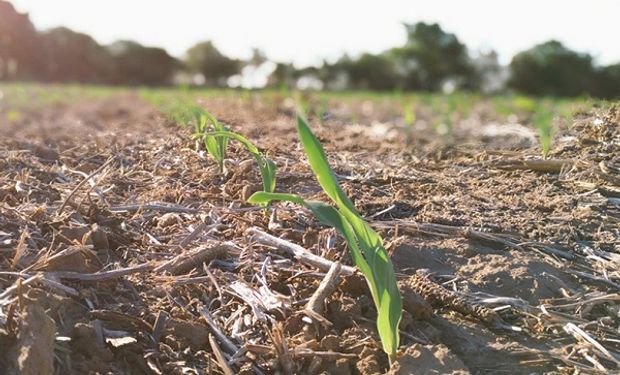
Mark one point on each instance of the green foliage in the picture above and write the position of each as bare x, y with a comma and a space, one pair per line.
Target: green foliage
204, 124
432, 56
13, 115
409, 113
208, 130
206, 59
551, 68
135, 64
75, 57
525, 104
607, 82
367, 72
365, 244
543, 121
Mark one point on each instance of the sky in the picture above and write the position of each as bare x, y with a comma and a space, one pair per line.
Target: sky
305, 32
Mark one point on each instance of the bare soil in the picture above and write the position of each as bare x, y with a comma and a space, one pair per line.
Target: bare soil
124, 249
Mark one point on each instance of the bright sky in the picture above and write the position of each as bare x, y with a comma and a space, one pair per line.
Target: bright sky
307, 31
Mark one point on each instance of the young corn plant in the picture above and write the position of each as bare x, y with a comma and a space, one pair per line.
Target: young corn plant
216, 145
322, 111
366, 246
409, 117
449, 115
266, 166
409, 113
543, 120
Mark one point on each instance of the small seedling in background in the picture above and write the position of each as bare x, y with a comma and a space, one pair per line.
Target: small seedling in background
266, 166
450, 114
365, 244
181, 112
301, 101
322, 112
543, 121
525, 104
443, 113
13, 116
409, 117
503, 106
216, 146
409, 108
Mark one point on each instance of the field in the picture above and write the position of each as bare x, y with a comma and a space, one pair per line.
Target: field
125, 248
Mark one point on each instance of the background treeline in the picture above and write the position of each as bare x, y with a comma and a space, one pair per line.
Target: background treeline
430, 60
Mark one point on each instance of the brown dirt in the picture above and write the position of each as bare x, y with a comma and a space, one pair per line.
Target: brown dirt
33, 351
537, 242
428, 360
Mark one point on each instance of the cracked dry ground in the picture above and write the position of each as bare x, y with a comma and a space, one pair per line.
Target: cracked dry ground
124, 250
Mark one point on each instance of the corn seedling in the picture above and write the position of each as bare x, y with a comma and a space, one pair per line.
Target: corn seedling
525, 104
502, 106
301, 101
13, 116
409, 113
215, 145
322, 111
450, 115
409, 117
543, 120
266, 166
365, 244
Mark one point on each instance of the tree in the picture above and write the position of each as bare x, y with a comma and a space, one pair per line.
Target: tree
607, 82
367, 72
135, 64
258, 58
284, 75
76, 57
551, 69
489, 76
432, 57
20, 45
216, 68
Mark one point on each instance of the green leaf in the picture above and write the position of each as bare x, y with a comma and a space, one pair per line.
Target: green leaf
327, 215
262, 197
320, 166
216, 146
200, 120
213, 149
543, 120
268, 175
267, 167
381, 276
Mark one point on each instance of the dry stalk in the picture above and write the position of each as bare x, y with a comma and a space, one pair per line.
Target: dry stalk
301, 254
187, 261
325, 289
154, 207
85, 180
220, 356
105, 275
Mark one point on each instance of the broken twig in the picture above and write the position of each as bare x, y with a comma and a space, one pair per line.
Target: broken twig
297, 251
325, 289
